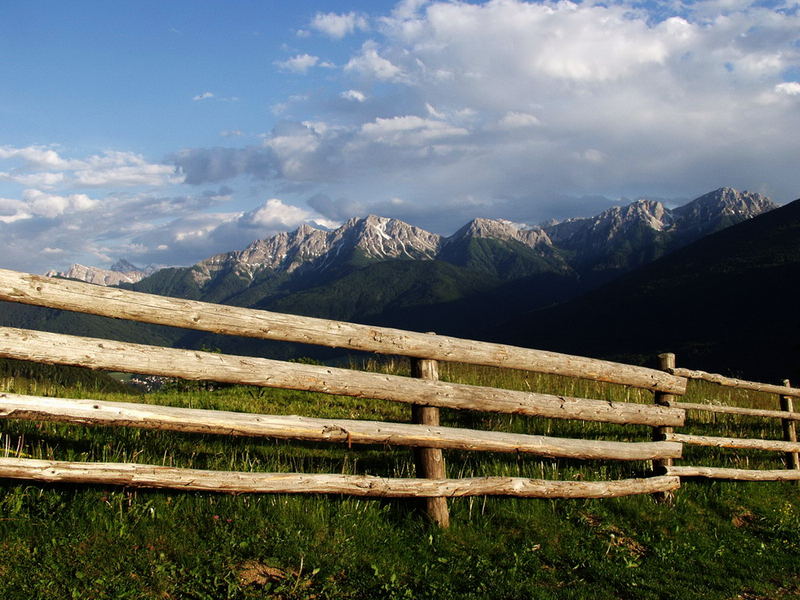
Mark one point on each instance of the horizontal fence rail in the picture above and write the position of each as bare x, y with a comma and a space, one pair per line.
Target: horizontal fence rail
736, 474
789, 445
153, 476
741, 384
737, 410
195, 420
196, 365
147, 308
730, 442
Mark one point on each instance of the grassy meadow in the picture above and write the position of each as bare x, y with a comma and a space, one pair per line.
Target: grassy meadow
719, 540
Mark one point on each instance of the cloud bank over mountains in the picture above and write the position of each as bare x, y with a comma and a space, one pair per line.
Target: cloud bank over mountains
438, 112
506, 101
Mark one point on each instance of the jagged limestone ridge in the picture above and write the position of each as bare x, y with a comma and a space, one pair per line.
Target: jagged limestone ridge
381, 238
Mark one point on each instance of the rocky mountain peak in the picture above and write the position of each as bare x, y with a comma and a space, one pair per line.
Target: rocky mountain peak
501, 229
704, 215
489, 228
380, 237
651, 213
309, 247
120, 272
615, 222
725, 202
285, 251
305, 230
123, 266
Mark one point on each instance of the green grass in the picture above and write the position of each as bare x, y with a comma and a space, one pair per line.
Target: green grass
719, 540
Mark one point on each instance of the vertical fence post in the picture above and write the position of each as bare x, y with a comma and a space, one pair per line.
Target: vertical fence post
789, 431
666, 362
429, 461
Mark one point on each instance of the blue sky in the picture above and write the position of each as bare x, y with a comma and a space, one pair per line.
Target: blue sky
164, 132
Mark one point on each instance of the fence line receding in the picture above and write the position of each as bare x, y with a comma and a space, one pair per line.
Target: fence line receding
231, 320
788, 446
424, 392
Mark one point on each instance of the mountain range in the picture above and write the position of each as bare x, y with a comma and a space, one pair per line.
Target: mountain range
616, 240
480, 282
120, 272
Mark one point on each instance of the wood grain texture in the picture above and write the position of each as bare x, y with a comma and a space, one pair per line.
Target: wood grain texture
736, 410
196, 365
230, 320
151, 476
195, 420
728, 442
666, 361
736, 474
737, 383
429, 462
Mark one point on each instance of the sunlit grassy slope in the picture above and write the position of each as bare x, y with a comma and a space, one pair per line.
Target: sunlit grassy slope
718, 540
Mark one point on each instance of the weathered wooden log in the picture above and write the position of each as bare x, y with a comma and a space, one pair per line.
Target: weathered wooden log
736, 474
736, 410
737, 383
727, 442
152, 476
429, 462
195, 365
196, 420
230, 320
789, 430
666, 361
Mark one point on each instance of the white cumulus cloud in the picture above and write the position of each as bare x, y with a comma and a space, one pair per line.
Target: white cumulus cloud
13, 210
501, 100
276, 214
40, 157
109, 169
409, 130
41, 179
135, 175
789, 88
193, 237
482, 108
300, 63
354, 95
339, 25
42, 204
370, 64
517, 120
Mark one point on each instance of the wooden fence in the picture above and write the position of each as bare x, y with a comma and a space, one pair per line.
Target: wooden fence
424, 391
788, 446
